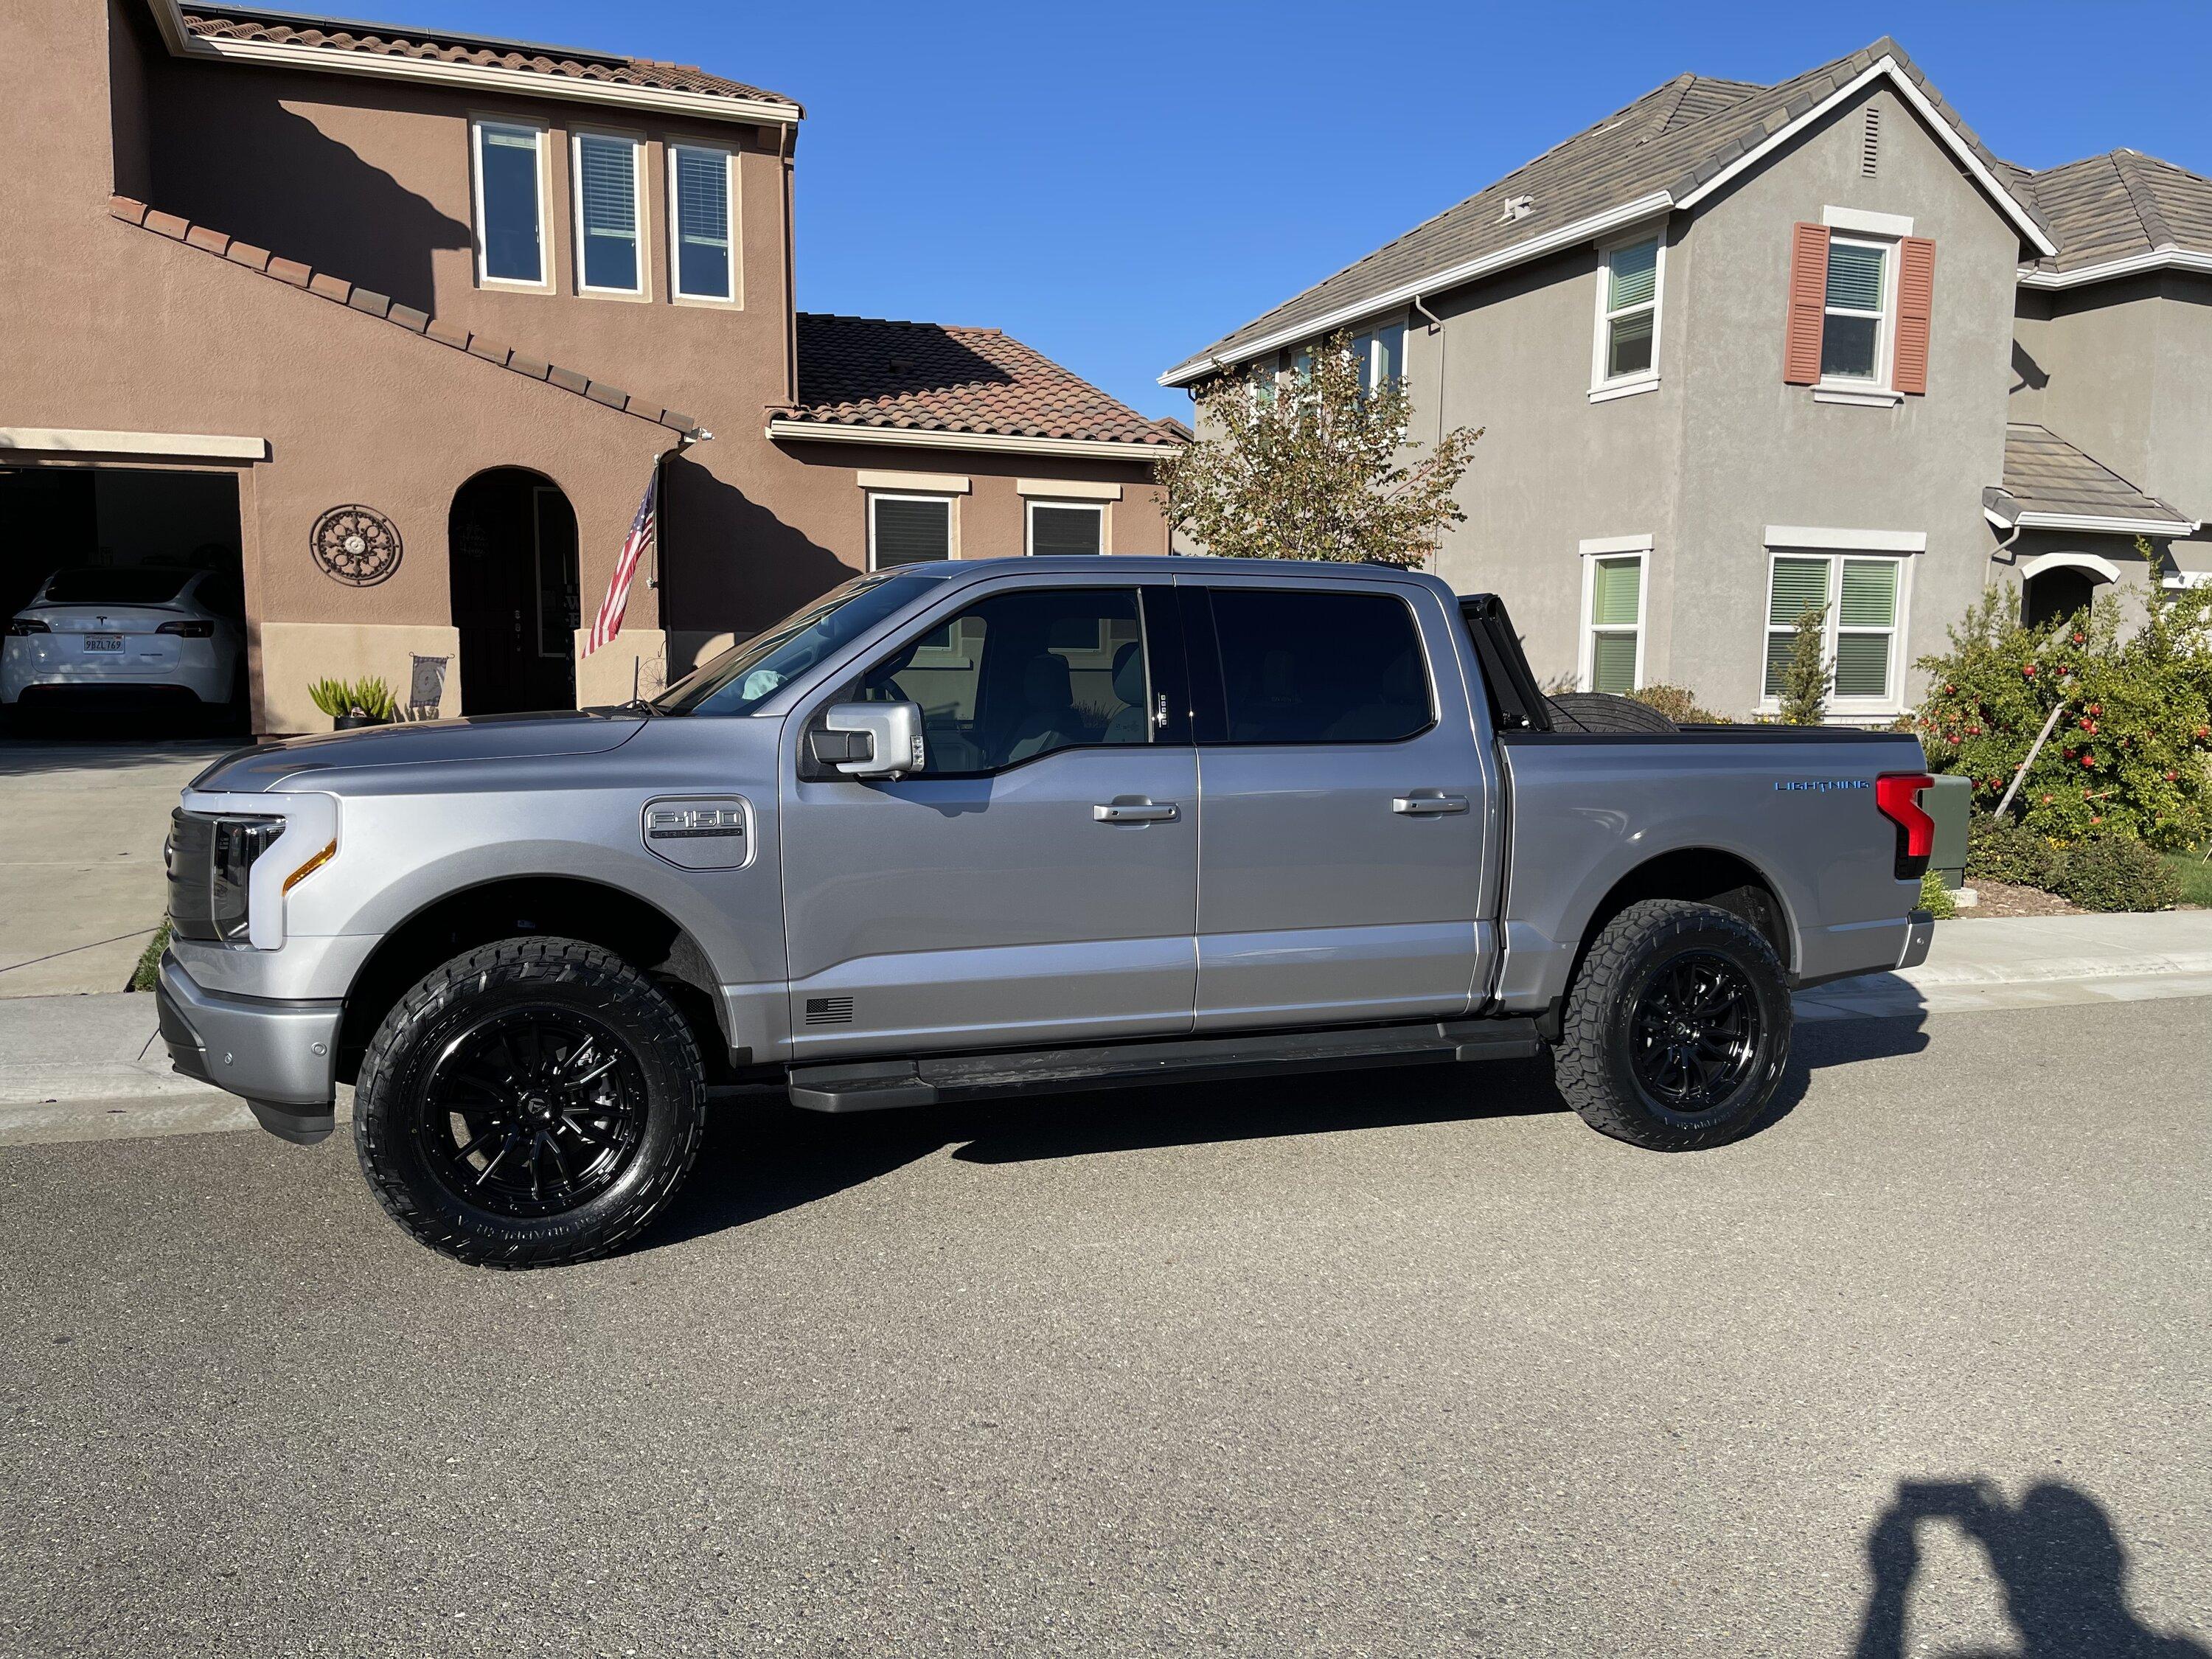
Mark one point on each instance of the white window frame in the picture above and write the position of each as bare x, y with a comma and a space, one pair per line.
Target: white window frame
1028, 520
640, 231
951, 505
1850, 708
1603, 389
1611, 549
676, 290
539, 133
1884, 330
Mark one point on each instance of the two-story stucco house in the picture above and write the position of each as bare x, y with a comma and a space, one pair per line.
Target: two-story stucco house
1742, 351
398, 325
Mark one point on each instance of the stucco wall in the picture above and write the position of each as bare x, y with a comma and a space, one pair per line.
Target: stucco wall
1757, 452
2125, 371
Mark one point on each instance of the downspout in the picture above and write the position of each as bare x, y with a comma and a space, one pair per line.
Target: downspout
785, 162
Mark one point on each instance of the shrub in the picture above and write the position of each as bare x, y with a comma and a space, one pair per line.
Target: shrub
1678, 704
2106, 872
1935, 898
1805, 677
1997, 849
2131, 753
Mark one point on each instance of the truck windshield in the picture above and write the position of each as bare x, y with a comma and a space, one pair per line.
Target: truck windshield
745, 675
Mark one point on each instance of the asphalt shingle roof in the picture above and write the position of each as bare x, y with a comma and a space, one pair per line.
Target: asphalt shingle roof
256, 23
1674, 138
2047, 474
2123, 203
932, 377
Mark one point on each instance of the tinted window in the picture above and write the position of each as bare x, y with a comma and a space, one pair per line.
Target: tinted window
1312, 668
1022, 674
128, 585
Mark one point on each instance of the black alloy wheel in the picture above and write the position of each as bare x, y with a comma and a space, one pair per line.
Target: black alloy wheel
1695, 1033
532, 1111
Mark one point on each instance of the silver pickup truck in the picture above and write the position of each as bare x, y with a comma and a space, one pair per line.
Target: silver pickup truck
999, 826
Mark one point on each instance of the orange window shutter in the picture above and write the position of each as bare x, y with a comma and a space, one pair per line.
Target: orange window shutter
1808, 300
1916, 300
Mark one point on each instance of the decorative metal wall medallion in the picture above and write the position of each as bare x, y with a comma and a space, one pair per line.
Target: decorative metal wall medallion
355, 544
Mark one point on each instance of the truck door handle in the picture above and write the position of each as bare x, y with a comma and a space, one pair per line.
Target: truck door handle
1420, 806
1136, 812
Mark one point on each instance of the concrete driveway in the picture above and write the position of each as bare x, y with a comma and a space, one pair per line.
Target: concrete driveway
81, 829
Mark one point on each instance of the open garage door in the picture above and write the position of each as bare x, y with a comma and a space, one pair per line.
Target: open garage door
123, 600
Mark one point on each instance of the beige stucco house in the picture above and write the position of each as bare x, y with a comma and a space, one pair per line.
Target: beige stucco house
400, 325
1742, 350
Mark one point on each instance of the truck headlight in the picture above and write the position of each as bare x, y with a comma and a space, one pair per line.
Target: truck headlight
238, 842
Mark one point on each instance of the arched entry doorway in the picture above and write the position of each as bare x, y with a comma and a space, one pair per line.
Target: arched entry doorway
511, 539
2055, 586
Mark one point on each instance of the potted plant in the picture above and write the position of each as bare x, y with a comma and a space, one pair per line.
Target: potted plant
350, 705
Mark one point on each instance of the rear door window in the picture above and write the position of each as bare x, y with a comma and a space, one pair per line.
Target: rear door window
1309, 667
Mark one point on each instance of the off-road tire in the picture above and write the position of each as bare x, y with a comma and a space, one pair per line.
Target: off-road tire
562, 973
1593, 1063
1603, 712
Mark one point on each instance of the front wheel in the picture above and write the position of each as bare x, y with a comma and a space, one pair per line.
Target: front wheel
1676, 1028
533, 1102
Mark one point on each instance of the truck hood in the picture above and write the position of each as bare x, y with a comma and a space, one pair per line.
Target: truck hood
479, 738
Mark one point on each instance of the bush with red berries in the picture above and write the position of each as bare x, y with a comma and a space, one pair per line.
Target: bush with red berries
2131, 756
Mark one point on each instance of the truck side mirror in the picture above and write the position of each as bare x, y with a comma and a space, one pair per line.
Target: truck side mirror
871, 739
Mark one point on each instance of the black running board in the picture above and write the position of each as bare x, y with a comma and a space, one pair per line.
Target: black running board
876, 1085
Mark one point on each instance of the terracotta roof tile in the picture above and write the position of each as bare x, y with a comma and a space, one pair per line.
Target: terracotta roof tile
371, 304
392, 40
869, 372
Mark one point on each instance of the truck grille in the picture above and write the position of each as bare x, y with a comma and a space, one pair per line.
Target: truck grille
190, 860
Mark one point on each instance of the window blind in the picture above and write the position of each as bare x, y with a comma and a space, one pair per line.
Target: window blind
1613, 593
1854, 276
1800, 585
1065, 529
702, 225
1861, 664
1869, 594
1632, 275
908, 533
1613, 663
606, 181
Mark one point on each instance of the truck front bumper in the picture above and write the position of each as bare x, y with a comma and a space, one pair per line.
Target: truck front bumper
280, 1055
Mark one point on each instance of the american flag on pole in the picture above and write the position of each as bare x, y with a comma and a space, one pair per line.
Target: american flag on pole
609, 620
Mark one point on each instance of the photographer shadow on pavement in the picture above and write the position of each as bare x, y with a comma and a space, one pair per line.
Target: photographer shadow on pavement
2056, 1555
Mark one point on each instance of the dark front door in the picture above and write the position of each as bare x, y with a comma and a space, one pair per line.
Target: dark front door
512, 557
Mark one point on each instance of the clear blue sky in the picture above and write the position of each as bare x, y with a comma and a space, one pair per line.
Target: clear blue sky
1119, 186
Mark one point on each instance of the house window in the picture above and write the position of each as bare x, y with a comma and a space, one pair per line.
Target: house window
1612, 644
1066, 527
700, 192
1627, 351
1380, 353
510, 181
1860, 600
1851, 330
909, 529
607, 196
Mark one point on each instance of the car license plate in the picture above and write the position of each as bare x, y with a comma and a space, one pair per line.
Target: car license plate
103, 642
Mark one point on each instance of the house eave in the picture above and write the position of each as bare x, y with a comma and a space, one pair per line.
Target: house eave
2167, 257
2095, 524
183, 43
1102, 449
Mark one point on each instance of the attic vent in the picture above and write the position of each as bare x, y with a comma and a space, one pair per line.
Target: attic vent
1870, 144
828, 1011
1519, 207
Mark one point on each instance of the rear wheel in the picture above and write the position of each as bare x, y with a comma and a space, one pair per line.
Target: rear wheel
1676, 1028
533, 1102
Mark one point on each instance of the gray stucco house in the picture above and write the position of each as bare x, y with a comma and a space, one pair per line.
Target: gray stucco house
1743, 349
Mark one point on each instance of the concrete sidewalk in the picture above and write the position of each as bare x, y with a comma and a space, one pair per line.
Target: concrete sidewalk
81, 1067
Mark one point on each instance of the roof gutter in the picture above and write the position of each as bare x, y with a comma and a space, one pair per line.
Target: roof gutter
2165, 257
2096, 524
528, 83
1101, 449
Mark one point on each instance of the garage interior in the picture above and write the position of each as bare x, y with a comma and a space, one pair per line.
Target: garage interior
62, 517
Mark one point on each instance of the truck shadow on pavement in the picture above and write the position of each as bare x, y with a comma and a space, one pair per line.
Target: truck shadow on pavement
762, 1157
2056, 1554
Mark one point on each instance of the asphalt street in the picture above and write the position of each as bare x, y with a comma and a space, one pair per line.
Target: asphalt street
1405, 1363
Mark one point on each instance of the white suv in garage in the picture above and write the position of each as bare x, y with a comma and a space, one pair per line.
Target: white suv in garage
132, 633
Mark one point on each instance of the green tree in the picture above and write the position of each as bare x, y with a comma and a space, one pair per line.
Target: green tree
1805, 678
1315, 467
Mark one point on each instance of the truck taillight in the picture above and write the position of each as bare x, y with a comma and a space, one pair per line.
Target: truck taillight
1897, 795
